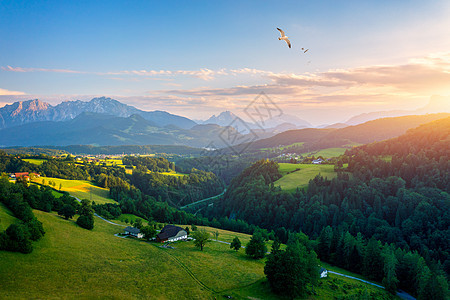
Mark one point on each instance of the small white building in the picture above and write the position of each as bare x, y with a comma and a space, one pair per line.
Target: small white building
317, 161
133, 231
323, 272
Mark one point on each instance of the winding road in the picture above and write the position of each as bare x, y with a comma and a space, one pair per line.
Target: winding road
203, 200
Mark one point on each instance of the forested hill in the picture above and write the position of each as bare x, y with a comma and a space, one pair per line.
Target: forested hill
386, 216
420, 157
431, 139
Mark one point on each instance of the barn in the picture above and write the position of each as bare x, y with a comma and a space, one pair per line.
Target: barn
171, 233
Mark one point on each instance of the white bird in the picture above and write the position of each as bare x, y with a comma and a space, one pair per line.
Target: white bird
284, 37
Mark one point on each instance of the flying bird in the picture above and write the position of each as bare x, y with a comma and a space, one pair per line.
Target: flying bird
304, 51
284, 37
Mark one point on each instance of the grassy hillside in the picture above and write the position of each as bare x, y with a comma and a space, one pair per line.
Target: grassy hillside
80, 188
290, 182
36, 161
327, 153
71, 262
6, 217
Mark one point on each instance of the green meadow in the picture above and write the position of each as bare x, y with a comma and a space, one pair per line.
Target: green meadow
6, 217
300, 178
70, 262
81, 189
327, 153
36, 161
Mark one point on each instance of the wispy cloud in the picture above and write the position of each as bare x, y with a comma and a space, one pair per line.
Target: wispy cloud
4, 92
26, 70
203, 73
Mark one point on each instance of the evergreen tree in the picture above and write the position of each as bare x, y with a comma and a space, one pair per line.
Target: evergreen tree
256, 248
390, 280
235, 244
373, 261
290, 272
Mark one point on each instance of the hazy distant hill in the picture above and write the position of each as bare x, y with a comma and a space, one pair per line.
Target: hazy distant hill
433, 136
437, 104
372, 131
275, 123
24, 112
100, 129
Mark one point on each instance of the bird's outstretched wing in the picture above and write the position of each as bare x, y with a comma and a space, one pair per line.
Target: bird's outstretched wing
305, 51
288, 42
282, 32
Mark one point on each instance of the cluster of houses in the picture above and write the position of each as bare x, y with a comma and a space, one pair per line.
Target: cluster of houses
24, 175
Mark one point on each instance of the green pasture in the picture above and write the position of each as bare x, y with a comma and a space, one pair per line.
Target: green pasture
81, 189
74, 263
35, 161
327, 153
290, 182
6, 217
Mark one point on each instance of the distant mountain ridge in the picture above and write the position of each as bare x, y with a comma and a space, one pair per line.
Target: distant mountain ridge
368, 132
23, 112
437, 104
107, 130
226, 118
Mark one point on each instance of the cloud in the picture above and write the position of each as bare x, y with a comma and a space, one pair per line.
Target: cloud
203, 73
430, 74
4, 92
26, 70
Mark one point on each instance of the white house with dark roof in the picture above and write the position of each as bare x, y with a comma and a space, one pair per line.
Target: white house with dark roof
171, 233
133, 231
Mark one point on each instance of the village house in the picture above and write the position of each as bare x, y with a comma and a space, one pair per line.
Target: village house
323, 272
133, 231
317, 161
171, 233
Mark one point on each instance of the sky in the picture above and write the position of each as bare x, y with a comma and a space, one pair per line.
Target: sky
198, 58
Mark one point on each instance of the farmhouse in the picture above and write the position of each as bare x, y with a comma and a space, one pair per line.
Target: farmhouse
317, 161
171, 233
133, 231
323, 273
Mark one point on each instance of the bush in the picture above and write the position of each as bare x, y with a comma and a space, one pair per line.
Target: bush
18, 239
86, 221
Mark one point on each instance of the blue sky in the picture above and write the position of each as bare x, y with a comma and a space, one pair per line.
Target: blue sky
174, 55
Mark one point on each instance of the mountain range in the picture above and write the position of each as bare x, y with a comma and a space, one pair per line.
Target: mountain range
105, 121
23, 112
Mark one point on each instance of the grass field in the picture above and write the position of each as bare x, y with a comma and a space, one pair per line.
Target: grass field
81, 189
290, 182
6, 217
71, 262
327, 153
36, 161
131, 218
